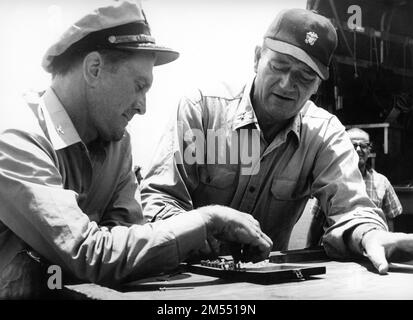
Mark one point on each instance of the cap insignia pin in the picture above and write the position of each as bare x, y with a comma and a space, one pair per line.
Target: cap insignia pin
311, 37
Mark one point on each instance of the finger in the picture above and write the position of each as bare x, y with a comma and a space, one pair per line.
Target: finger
255, 222
251, 219
254, 254
404, 241
235, 251
214, 246
259, 239
260, 246
267, 239
247, 237
248, 253
377, 256
205, 250
244, 231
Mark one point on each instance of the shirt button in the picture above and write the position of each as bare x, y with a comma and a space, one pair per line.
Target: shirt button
252, 189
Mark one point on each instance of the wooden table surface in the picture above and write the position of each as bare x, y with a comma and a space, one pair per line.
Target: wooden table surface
342, 280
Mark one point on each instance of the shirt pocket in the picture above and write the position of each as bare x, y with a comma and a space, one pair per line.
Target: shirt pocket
289, 190
286, 201
219, 177
217, 186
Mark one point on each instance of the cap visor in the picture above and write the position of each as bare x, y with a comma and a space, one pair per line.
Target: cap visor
300, 54
163, 55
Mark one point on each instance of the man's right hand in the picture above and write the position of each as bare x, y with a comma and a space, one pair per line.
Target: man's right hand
227, 224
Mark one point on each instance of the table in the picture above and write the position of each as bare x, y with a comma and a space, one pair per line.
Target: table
343, 280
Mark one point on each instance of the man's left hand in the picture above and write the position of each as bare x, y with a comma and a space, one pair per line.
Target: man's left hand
380, 245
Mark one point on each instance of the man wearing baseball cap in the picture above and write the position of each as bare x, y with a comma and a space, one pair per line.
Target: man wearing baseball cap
68, 193
303, 150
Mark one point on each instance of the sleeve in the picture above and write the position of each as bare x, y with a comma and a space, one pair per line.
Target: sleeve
340, 189
37, 209
173, 175
125, 206
391, 205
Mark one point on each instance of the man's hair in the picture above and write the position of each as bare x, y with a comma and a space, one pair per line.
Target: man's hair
359, 131
67, 61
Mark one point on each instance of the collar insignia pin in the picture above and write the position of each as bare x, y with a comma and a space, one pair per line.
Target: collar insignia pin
60, 129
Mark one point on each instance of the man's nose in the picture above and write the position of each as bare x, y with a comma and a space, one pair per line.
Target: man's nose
141, 106
285, 80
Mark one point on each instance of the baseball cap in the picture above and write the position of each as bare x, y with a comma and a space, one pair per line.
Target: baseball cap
122, 25
305, 35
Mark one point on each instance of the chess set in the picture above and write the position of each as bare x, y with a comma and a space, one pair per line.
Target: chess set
264, 272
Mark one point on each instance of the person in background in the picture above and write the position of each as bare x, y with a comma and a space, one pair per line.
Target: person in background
68, 192
302, 150
378, 187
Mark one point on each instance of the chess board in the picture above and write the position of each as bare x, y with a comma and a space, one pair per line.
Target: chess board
264, 272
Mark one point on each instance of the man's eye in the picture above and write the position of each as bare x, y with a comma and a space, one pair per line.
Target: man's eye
140, 87
276, 67
307, 78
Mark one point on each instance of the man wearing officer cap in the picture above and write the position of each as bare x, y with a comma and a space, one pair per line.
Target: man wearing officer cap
303, 150
67, 188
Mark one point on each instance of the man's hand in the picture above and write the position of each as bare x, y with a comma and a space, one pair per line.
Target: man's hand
226, 224
380, 245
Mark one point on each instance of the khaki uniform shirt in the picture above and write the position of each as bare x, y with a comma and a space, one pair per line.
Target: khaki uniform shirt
312, 156
76, 205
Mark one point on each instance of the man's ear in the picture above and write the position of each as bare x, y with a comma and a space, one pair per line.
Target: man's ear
319, 81
92, 67
257, 57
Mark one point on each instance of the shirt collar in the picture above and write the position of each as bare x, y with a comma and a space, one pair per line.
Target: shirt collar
369, 172
245, 114
62, 132
295, 125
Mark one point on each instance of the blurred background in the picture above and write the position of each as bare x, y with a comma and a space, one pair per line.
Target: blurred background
216, 39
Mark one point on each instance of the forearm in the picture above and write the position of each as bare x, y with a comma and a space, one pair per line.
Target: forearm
66, 237
339, 186
343, 239
140, 250
357, 235
160, 206
47, 217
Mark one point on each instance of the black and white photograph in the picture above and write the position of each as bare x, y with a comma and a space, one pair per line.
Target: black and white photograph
206, 156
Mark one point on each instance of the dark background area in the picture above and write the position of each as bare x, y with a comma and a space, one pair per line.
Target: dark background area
371, 77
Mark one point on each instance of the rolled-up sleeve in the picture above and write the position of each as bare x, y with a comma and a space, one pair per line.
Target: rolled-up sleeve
339, 186
37, 209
